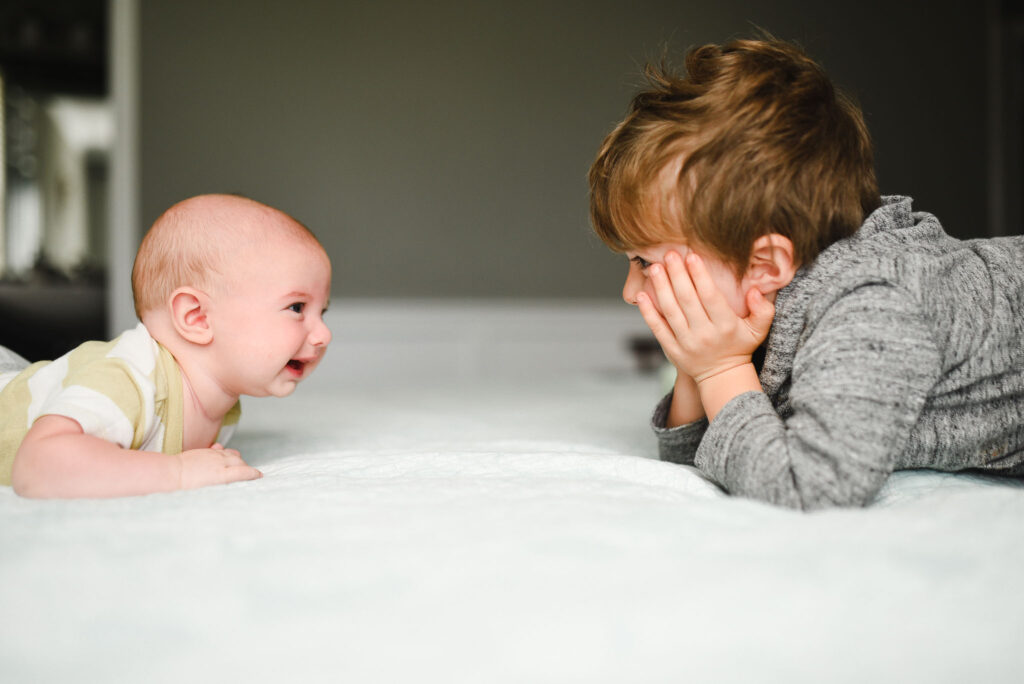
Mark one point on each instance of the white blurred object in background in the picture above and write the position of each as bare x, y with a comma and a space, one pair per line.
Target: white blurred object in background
77, 134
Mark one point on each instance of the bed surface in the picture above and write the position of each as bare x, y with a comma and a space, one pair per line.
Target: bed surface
515, 529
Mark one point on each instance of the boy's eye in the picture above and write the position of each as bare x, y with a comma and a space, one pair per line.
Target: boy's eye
641, 262
296, 307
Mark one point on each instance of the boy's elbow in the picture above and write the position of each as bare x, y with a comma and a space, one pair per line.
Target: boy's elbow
808, 493
820, 503
821, 498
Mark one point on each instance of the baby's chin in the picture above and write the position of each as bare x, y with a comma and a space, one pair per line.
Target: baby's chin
278, 389
284, 391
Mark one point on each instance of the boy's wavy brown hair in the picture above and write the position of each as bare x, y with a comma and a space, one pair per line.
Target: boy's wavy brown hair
768, 146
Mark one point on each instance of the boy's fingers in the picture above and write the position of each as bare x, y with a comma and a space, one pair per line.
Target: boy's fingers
707, 291
762, 312
662, 332
668, 300
683, 287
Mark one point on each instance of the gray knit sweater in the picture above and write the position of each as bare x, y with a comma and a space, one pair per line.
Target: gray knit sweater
900, 347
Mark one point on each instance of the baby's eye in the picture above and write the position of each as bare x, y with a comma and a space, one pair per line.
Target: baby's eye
296, 307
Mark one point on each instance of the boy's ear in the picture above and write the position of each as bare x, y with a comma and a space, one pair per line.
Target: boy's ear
772, 265
190, 315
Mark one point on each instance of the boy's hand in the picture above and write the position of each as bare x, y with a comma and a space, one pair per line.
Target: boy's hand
216, 465
700, 333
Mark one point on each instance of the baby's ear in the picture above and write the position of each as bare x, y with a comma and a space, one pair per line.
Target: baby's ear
189, 313
772, 265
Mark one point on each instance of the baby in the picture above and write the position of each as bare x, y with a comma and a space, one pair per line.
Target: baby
822, 335
231, 295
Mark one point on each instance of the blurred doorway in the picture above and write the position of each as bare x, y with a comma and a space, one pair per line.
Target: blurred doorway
57, 136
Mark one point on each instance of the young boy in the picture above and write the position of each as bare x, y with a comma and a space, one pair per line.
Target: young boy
823, 336
231, 294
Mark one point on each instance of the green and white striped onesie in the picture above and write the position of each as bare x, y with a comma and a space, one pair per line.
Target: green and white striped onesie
127, 391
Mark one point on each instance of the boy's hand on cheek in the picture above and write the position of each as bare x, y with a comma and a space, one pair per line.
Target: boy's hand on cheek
216, 465
700, 333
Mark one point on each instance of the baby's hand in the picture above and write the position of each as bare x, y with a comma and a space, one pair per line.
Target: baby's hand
697, 328
216, 465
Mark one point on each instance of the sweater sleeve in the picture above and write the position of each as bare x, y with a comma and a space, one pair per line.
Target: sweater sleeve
677, 444
859, 382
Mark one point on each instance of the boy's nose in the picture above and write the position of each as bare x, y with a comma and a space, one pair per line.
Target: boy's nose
630, 290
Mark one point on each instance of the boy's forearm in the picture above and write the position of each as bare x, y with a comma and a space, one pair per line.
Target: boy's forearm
83, 466
686, 406
718, 390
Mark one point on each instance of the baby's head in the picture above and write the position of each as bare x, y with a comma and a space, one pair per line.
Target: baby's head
199, 242
753, 140
239, 284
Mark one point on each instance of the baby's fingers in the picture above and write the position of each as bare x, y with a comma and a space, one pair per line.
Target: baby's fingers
204, 467
241, 473
231, 456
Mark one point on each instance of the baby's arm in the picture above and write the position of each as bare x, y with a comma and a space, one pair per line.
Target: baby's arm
58, 460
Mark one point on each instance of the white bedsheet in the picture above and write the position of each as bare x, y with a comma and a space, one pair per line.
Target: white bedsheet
505, 531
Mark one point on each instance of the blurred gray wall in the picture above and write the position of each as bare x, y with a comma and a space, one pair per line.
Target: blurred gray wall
440, 149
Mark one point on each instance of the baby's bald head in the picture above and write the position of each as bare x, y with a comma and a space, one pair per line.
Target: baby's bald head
193, 241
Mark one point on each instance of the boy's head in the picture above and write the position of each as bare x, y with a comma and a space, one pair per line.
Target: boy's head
240, 284
753, 140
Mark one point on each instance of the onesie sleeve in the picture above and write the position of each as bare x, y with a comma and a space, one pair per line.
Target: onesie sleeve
859, 382
104, 399
676, 444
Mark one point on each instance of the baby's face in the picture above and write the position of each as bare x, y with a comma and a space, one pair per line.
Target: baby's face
268, 318
638, 280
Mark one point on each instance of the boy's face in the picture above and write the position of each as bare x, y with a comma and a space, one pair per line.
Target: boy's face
267, 317
666, 208
637, 280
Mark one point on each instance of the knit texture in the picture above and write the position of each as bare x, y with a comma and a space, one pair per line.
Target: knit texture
900, 347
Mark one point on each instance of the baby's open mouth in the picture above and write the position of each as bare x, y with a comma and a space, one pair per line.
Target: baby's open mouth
296, 365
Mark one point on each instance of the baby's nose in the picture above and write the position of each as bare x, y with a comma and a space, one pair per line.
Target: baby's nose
320, 336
